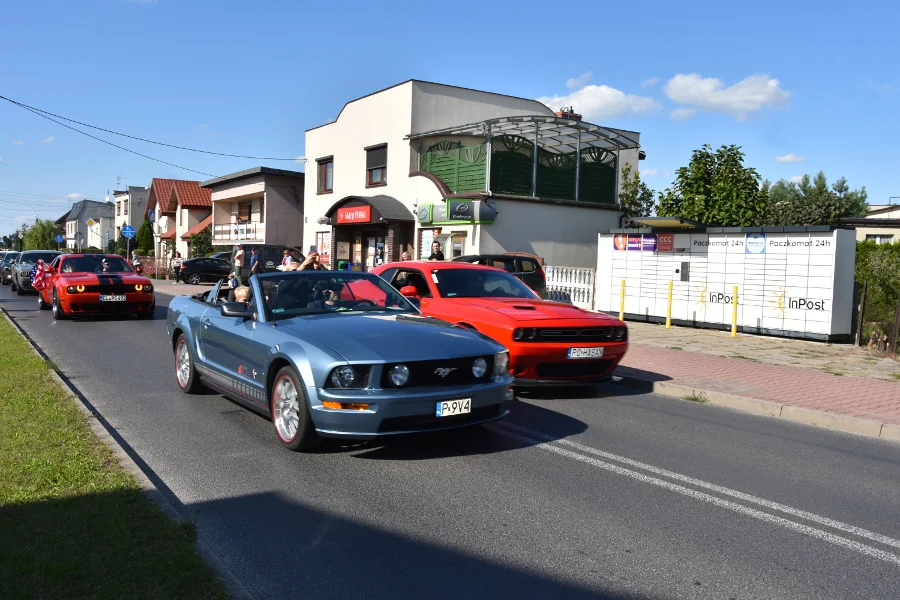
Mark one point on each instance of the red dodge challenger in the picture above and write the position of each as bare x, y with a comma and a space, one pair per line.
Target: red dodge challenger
549, 343
91, 284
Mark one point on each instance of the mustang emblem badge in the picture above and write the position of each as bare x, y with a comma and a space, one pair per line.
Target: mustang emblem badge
443, 371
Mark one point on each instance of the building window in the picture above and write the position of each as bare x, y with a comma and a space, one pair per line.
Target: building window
880, 238
376, 165
323, 246
244, 212
118, 209
262, 210
125, 203
118, 233
326, 174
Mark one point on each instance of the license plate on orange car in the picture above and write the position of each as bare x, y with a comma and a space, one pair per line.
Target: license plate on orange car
575, 353
448, 408
120, 298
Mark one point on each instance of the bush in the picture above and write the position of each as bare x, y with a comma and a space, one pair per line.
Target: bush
879, 265
150, 253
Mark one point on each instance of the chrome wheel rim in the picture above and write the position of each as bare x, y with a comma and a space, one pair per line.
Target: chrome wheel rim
194, 279
55, 305
286, 408
183, 364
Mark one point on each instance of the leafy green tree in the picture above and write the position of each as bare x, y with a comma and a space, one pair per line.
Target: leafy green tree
144, 238
716, 189
812, 202
41, 236
8, 242
201, 243
636, 199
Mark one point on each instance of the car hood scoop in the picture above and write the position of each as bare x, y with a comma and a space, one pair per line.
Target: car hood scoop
527, 309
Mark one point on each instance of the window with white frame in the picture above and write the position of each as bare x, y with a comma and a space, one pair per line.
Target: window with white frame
880, 238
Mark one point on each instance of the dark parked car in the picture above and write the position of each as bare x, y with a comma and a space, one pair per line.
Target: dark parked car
9, 258
21, 271
198, 270
270, 257
226, 256
526, 268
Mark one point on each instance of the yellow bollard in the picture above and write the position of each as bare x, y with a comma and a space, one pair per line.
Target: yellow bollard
622, 302
669, 308
734, 307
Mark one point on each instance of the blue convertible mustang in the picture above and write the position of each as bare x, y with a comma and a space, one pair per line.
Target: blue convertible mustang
336, 354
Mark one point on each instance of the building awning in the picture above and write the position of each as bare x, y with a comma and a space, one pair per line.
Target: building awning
169, 235
197, 228
556, 134
386, 208
666, 223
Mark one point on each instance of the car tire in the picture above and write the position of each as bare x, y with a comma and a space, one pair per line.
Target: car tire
41, 304
19, 291
58, 313
290, 412
12, 285
186, 375
194, 279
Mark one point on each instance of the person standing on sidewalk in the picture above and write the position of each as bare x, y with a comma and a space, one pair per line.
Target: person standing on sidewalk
176, 266
238, 263
254, 261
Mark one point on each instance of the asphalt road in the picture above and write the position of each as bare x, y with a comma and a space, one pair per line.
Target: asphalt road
620, 495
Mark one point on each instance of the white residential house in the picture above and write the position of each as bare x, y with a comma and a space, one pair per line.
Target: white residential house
177, 209
257, 206
131, 204
89, 224
478, 171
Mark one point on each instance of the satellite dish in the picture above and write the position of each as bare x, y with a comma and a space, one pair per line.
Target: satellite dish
164, 222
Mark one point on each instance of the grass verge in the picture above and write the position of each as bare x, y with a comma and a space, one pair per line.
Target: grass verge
699, 398
74, 523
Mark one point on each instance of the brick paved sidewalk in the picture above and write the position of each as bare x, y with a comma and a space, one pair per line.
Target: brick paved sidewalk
861, 397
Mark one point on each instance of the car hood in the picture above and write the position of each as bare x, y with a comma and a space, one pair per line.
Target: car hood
380, 337
530, 310
106, 278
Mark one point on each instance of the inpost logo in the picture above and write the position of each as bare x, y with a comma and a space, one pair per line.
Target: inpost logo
701, 297
778, 301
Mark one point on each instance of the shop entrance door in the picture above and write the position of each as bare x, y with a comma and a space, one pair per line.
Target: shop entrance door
373, 249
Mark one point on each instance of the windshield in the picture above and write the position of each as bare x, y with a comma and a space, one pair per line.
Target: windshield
33, 257
479, 283
300, 293
95, 264
10, 257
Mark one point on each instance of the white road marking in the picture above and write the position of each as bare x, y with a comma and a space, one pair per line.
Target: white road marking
734, 506
795, 512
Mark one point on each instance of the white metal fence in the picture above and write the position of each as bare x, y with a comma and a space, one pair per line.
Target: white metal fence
574, 285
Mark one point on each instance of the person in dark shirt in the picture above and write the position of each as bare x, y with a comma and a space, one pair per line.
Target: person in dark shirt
254, 261
436, 253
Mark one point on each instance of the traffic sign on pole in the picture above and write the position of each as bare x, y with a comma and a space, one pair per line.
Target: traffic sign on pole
128, 231
59, 239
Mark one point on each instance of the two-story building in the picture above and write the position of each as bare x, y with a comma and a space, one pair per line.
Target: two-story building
131, 204
257, 206
89, 224
477, 171
177, 208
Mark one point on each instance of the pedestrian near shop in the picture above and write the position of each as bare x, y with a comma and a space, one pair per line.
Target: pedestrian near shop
238, 262
176, 266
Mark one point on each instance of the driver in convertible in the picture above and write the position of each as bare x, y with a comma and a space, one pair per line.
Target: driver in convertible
325, 296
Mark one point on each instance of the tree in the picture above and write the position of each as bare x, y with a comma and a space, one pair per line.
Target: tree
41, 236
144, 238
201, 243
812, 202
636, 199
716, 189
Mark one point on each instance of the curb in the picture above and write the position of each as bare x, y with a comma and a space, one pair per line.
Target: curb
797, 414
100, 427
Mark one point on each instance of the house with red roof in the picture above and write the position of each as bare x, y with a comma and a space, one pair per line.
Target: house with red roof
177, 208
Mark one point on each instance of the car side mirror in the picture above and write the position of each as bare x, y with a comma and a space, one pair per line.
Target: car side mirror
237, 309
409, 291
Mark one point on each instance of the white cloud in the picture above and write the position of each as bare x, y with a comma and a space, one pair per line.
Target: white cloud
49, 140
576, 83
795, 179
790, 158
599, 102
648, 82
747, 96
650, 172
2, 159
202, 126
683, 114
75, 196
18, 143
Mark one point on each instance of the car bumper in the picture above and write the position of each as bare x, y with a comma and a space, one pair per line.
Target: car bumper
544, 365
25, 284
88, 303
403, 412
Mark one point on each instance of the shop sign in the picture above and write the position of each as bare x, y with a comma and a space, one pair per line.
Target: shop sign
648, 243
461, 211
755, 243
665, 242
634, 242
456, 211
356, 214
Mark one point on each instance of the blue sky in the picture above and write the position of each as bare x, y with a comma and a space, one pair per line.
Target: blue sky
816, 84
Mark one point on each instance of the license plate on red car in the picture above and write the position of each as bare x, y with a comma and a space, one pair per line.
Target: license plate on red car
119, 298
576, 353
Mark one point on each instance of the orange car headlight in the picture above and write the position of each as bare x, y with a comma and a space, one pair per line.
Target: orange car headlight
79, 288
138, 288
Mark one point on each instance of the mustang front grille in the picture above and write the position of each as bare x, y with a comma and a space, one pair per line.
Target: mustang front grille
431, 373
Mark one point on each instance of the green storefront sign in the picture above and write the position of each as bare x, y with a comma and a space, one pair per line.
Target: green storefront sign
455, 212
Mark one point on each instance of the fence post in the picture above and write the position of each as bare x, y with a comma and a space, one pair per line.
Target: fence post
622, 302
860, 313
669, 308
734, 311
896, 331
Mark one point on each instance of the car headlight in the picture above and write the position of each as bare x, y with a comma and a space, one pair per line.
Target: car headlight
621, 334
524, 335
79, 288
70, 289
343, 377
399, 375
501, 364
479, 368
138, 288
148, 288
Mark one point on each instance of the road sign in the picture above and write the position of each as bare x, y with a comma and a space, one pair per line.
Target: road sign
59, 239
91, 222
128, 231
21, 236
